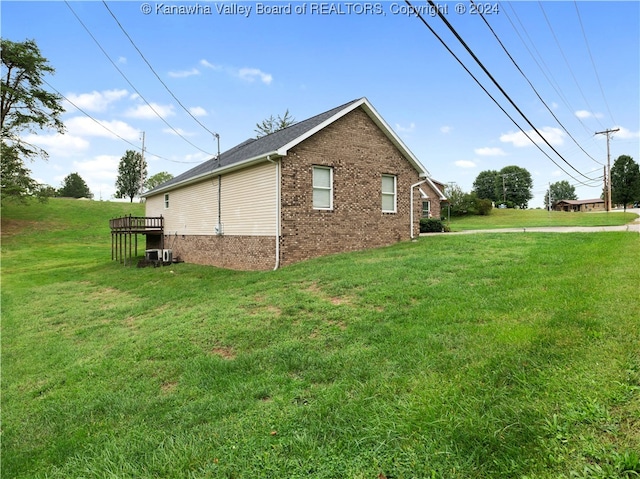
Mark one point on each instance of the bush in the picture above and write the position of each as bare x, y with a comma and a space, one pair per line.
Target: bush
431, 225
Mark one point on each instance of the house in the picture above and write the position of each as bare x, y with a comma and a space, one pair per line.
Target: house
339, 181
580, 205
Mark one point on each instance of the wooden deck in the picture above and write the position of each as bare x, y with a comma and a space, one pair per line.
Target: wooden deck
125, 231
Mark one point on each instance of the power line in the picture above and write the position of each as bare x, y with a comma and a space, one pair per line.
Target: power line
154, 72
109, 129
484, 69
531, 85
552, 81
553, 33
129, 82
595, 70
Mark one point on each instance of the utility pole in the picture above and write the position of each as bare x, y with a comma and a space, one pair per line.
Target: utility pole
142, 166
607, 201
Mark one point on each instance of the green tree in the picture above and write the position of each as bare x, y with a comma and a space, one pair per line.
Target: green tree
157, 180
625, 181
513, 185
24, 106
132, 174
271, 124
73, 186
560, 190
485, 185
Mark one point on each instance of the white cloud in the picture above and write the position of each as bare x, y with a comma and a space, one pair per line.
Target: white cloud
625, 134
247, 74
147, 111
198, 111
96, 100
122, 60
102, 167
84, 126
177, 131
184, 73
488, 151
555, 137
584, 114
250, 75
207, 64
445, 129
406, 129
57, 144
465, 164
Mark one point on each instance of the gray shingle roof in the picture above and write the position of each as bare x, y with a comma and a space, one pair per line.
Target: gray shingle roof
253, 148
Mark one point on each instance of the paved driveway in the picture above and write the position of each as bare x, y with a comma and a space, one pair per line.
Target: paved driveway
634, 226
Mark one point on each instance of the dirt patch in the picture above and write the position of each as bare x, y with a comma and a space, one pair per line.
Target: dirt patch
224, 352
314, 289
169, 387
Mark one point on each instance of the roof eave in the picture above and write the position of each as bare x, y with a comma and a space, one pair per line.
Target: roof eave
215, 172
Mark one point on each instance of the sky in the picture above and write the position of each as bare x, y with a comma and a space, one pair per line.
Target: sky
180, 71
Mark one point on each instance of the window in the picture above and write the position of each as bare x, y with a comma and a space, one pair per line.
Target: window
426, 209
166, 200
388, 194
322, 188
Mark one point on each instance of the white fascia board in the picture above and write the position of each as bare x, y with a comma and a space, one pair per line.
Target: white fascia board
395, 139
377, 119
436, 189
215, 172
282, 151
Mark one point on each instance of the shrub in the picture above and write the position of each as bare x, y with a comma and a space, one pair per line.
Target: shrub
431, 225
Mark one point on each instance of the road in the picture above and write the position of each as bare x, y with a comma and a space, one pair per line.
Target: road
634, 226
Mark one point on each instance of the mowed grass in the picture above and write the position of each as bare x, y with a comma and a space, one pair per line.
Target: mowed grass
449, 357
511, 218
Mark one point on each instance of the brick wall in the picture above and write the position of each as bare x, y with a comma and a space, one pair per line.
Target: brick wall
232, 252
359, 154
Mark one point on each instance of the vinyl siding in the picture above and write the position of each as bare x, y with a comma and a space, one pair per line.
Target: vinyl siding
249, 201
248, 205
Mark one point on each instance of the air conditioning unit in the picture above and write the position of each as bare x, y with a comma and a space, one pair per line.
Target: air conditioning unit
167, 256
153, 254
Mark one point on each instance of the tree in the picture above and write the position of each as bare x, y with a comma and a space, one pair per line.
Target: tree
24, 106
485, 185
271, 124
625, 181
560, 190
132, 173
514, 184
157, 180
73, 186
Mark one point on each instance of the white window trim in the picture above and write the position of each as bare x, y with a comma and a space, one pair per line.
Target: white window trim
166, 201
329, 188
395, 194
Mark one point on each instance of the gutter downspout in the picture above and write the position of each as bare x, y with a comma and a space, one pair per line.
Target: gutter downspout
277, 163
219, 205
411, 209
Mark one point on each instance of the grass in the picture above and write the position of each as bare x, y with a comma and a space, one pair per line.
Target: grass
511, 218
449, 357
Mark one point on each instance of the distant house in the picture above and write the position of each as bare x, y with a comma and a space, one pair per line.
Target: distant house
580, 205
339, 181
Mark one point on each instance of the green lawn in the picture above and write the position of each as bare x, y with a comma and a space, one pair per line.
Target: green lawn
454, 356
511, 218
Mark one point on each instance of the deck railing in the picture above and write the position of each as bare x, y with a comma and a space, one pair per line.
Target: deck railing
134, 224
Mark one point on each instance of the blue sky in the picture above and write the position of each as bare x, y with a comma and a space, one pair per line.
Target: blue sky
232, 70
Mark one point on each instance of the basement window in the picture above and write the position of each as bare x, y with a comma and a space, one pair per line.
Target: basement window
166, 201
388, 193
322, 188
